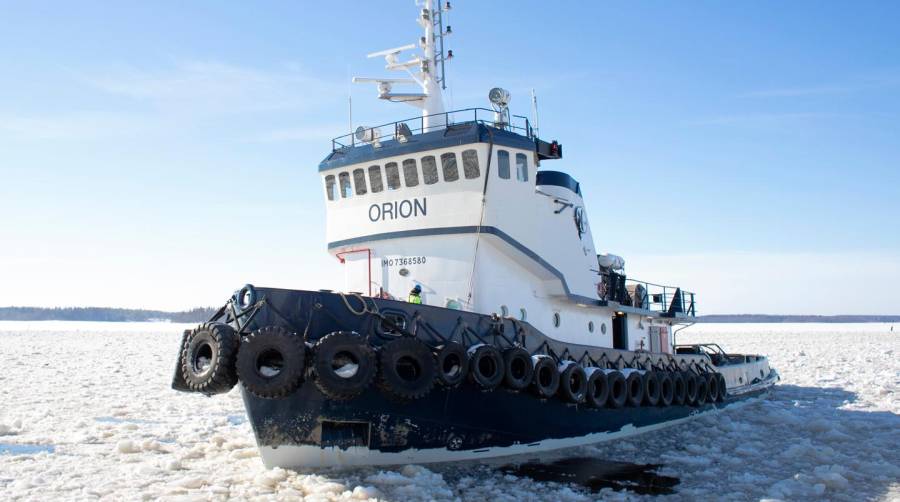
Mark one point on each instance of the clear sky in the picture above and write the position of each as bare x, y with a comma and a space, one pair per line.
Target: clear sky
161, 154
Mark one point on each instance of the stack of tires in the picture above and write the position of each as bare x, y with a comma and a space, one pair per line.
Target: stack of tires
273, 362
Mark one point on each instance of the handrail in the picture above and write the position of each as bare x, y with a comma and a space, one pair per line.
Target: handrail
349, 140
658, 298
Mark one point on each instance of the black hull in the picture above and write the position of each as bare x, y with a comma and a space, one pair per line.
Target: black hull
306, 429
463, 423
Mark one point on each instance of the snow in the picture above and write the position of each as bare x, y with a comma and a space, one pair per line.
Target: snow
347, 371
88, 413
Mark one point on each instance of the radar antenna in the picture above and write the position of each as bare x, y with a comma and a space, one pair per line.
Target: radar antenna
430, 76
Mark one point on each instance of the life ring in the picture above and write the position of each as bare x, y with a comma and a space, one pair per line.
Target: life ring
518, 368
271, 362
651, 388
618, 389
343, 364
452, 364
545, 378
634, 387
486, 366
597, 387
208, 358
666, 389
679, 392
406, 369
572, 382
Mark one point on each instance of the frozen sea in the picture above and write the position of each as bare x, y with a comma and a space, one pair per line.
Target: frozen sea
86, 412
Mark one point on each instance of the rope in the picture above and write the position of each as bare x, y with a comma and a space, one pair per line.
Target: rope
487, 174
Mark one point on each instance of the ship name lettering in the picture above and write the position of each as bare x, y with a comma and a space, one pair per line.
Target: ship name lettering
405, 208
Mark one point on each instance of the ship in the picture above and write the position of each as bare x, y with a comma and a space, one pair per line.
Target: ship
476, 319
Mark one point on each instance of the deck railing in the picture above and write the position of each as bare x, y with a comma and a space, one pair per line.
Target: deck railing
416, 125
670, 300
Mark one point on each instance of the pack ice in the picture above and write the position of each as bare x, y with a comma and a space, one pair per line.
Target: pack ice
88, 414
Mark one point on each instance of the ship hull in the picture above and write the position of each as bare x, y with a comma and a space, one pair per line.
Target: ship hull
307, 430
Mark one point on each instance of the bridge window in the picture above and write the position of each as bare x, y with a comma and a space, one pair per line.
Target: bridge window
503, 164
346, 189
521, 167
329, 187
448, 163
393, 175
429, 170
410, 173
375, 179
470, 164
359, 179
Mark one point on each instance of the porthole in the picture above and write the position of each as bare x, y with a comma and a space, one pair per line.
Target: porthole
603, 328
504, 311
556, 319
591, 326
523, 314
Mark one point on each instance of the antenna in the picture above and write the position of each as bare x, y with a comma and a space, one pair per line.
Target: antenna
349, 102
534, 112
430, 65
439, 15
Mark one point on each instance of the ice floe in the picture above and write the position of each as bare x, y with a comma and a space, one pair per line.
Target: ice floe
88, 413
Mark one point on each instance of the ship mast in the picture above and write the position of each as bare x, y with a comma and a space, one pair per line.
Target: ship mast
429, 64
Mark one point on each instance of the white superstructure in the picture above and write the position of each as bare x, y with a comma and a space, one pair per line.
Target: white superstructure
455, 202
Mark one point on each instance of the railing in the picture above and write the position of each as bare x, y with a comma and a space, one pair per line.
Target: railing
416, 125
670, 300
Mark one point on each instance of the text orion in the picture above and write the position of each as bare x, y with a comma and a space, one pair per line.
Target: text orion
397, 209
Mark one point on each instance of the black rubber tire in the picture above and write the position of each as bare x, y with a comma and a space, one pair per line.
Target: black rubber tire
651, 388
712, 386
666, 389
618, 389
723, 387
486, 367
406, 369
679, 392
634, 386
333, 352
208, 358
702, 390
545, 377
597, 389
452, 364
277, 348
690, 386
518, 368
572, 384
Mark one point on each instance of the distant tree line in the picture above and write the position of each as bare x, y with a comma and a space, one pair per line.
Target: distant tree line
737, 318
199, 314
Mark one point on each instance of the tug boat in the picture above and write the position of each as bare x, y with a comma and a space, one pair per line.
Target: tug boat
477, 319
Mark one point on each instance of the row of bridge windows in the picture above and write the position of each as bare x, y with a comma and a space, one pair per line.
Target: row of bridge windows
449, 171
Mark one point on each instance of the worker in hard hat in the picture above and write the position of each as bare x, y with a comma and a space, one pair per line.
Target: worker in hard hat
415, 296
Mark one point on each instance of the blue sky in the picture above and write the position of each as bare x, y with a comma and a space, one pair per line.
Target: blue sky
161, 154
